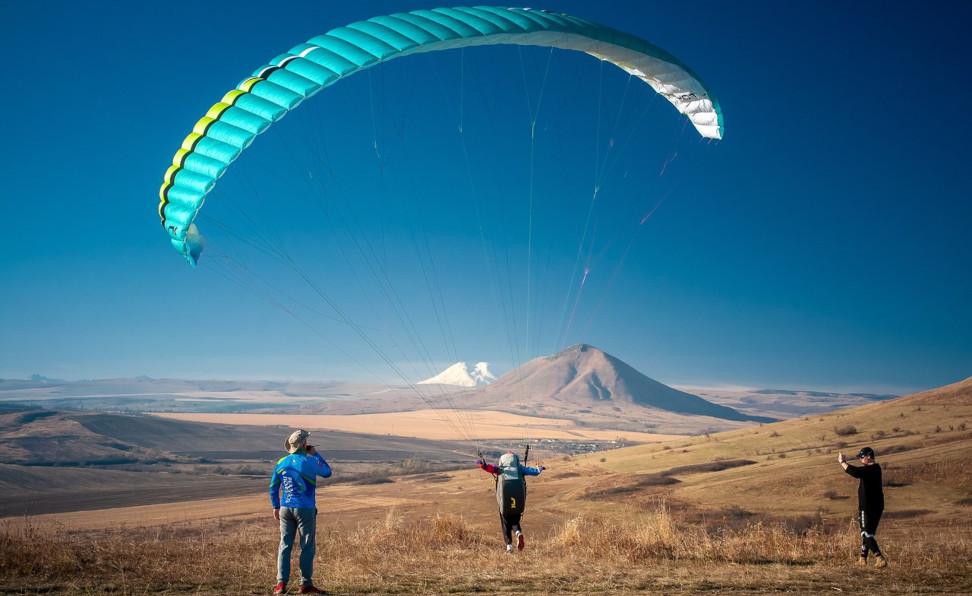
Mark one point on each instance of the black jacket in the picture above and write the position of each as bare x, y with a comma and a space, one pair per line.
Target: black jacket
870, 496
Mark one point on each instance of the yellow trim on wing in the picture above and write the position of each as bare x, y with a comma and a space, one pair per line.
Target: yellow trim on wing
179, 159
248, 84
189, 143
217, 110
232, 96
202, 125
170, 173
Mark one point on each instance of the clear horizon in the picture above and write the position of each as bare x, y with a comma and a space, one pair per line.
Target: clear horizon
686, 386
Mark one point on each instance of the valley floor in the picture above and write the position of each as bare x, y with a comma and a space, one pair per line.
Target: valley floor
438, 425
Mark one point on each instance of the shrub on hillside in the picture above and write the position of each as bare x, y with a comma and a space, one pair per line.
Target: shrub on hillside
373, 477
845, 431
713, 466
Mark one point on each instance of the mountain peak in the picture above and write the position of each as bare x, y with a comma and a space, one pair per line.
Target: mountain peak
583, 375
579, 348
459, 375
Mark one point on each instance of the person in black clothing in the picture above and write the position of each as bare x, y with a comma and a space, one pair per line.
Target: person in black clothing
870, 502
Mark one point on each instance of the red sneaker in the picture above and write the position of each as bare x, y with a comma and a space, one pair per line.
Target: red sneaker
309, 589
280, 588
519, 541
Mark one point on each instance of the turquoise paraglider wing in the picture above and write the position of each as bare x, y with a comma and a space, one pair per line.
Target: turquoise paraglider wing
231, 124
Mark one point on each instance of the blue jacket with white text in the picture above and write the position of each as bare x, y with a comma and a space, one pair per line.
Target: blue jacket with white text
295, 475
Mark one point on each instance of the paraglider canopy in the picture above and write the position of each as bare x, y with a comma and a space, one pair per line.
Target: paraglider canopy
219, 137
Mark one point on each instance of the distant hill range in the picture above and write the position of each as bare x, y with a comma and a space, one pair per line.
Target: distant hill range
581, 383
785, 403
823, 394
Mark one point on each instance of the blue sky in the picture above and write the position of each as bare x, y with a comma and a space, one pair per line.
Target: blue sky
822, 244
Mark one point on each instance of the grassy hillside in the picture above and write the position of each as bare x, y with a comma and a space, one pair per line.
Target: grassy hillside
923, 442
757, 510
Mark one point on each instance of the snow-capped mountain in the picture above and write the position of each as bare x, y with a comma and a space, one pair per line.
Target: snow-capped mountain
459, 374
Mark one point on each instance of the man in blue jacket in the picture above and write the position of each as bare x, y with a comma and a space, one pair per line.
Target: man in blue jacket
295, 476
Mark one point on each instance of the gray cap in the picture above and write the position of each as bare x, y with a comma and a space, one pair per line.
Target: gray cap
297, 440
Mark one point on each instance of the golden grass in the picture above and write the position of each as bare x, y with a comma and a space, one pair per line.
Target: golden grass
441, 425
651, 549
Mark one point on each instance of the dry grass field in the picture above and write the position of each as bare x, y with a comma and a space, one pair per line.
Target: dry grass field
441, 425
641, 551
760, 510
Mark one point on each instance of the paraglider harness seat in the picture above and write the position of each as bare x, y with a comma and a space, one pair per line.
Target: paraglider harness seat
511, 491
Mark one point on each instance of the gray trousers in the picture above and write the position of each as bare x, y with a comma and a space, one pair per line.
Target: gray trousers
294, 522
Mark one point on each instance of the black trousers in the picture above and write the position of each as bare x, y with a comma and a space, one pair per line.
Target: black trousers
869, 523
510, 523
